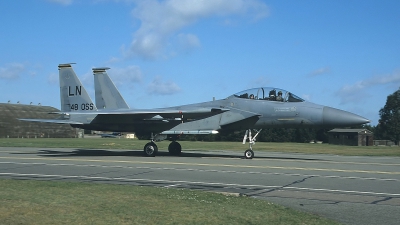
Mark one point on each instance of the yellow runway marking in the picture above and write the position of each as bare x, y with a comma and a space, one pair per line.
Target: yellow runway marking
208, 165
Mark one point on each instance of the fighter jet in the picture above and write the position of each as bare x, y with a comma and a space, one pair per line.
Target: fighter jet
250, 110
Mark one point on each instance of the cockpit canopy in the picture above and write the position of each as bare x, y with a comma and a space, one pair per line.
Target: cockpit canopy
269, 94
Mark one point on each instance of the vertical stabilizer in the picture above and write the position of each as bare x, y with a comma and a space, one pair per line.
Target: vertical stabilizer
72, 93
107, 95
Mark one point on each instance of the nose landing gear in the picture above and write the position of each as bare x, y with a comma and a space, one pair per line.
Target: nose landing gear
249, 153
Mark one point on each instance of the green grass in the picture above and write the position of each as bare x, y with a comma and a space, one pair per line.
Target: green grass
115, 143
47, 202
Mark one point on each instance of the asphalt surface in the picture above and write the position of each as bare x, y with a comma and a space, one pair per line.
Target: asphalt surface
351, 190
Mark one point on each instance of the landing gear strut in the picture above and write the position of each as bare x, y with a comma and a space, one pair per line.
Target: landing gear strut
249, 154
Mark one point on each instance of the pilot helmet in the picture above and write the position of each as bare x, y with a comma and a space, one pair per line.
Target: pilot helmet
280, 93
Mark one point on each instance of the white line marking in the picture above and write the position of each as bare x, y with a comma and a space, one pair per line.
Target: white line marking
342, 191
203, 170
209, 164
178, 182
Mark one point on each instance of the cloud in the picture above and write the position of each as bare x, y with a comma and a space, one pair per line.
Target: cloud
259, 82
128, 75
61, 2
86, 79
355, 92
12, 71
113, 60
320, 71
160, 20
159, 87
53, 79
188, 41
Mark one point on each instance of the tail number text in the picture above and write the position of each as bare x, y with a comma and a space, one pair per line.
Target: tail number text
83, 106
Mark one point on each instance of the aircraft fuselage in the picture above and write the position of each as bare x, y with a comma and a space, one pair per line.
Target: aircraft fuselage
242, 114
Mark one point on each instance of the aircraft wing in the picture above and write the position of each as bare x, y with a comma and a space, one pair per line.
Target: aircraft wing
189, 113
158, 114
174, 111
129, 115
59, 121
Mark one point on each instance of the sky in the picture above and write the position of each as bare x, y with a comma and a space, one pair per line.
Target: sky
340, 53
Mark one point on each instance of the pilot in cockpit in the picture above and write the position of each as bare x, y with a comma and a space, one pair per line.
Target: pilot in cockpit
279, 97
272, 95
251, 96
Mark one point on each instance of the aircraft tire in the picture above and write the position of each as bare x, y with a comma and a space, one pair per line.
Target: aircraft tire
150, 149
249, 154
174, 148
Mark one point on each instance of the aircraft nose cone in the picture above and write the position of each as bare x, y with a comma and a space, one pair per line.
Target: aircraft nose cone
338, 118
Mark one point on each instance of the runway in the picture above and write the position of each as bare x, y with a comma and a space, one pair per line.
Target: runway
351, 190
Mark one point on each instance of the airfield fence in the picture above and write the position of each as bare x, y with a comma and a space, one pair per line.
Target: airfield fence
384, 143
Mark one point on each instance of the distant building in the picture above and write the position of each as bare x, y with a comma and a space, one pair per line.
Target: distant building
11, 127
352, 137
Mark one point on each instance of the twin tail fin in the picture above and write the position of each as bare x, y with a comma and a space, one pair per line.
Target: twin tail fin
74, 97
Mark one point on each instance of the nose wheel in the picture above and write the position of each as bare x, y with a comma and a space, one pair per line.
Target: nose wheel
249, 154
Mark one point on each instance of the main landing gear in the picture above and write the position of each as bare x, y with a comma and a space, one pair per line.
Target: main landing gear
174, 148
249, 154
151, 149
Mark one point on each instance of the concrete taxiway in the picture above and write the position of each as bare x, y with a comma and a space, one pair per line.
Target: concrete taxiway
351, 190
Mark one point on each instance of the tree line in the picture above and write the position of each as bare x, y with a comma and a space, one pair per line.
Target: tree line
388, 127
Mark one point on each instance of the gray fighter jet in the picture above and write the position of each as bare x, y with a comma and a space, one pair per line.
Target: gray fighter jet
249, 110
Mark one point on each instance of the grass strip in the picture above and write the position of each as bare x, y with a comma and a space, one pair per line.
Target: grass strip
49, 202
